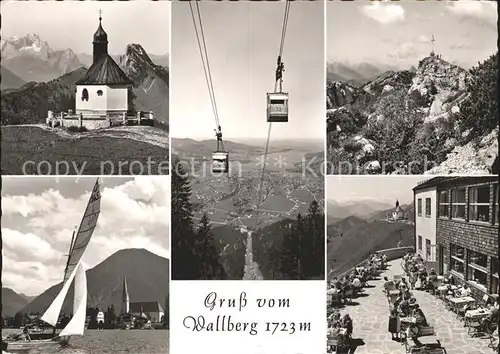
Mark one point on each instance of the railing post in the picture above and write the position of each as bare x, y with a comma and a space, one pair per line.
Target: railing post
138, 118
124, 118
80, 120
62, 119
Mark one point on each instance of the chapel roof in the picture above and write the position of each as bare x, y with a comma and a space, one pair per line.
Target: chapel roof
105, 72
100, 35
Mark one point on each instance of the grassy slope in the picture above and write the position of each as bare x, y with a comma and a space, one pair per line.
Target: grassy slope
32, 143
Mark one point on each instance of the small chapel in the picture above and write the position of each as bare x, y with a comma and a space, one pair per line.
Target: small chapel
103, 91
140, 311
396, 214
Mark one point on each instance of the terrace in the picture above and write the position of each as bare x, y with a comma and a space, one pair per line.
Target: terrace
456, 333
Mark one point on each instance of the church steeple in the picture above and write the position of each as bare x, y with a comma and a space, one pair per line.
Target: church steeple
125, 298
397, 203
100, 41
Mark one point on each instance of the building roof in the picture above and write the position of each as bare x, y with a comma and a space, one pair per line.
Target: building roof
150, 306
435, 181
105, 72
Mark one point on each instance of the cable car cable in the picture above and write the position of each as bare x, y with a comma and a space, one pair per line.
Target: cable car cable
266, 151
220, 155
206, 68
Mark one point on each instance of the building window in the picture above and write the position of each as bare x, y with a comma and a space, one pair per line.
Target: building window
494, 287
420, 242
428, 207
458, 203
457, 259
419, 207
85, 95
444, 202
428, 248
496, 204
479, 203
477, 271
99, 92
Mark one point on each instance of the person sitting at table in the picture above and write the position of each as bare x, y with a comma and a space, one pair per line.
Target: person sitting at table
398, 300
404, 308
419, 316
347, 324
394, 325
412, 333
413, 279
466, 291
494, 313
388, 284
423, 278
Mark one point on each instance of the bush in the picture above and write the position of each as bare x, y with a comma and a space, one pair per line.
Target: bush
76, 129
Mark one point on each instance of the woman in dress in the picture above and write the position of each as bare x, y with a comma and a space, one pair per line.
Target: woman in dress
394, 324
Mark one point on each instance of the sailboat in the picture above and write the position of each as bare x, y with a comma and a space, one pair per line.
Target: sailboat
74, 270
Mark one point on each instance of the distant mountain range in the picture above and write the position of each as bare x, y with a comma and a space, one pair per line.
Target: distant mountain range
355, 74
12, 302
32, 59
367, 210
105, 284
51, 77
352, 240
361, 208
435, 118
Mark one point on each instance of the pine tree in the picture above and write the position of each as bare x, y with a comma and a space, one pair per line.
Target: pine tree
314, 243
480, 111
209, 265
184, 260
290, 262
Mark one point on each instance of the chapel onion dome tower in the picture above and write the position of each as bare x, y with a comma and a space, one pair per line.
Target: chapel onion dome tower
100, 41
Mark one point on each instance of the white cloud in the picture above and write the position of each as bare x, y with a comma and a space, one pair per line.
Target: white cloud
37, 229
482, 10
384, 12
31, 204
27, 246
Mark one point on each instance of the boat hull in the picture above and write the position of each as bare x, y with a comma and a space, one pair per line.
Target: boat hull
34, 344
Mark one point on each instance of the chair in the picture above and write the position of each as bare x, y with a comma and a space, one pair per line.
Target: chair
333, 345
476, 328
493, 336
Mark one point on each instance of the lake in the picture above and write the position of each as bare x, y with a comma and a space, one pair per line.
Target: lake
115, 341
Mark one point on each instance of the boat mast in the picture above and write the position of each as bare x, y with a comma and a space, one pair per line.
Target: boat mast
70, 250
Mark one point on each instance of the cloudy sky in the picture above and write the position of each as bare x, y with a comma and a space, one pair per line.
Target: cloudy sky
71, 24
40, 214
343, 189
399, 33
243, 40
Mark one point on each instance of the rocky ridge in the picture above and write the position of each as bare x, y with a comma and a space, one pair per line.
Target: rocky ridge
401, 116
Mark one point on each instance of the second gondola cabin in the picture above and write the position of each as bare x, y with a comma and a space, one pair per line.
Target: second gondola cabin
220, 161
277, 107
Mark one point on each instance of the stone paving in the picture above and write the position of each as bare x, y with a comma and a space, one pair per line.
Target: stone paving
370, 315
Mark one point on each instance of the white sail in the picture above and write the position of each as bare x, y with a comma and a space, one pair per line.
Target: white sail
77, 324
85, 230
78, 246
52, 314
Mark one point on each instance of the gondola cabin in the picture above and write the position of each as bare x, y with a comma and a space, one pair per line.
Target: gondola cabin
277, 107
220, 161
